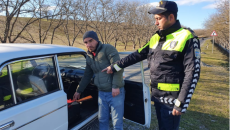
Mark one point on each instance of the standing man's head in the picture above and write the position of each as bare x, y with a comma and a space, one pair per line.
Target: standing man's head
91, 40
165, 14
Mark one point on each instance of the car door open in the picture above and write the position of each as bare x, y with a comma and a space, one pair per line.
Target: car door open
137, 97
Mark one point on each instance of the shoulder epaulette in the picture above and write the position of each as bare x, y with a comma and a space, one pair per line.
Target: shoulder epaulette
193, 33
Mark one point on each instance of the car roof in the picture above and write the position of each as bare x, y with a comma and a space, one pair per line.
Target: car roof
18, 50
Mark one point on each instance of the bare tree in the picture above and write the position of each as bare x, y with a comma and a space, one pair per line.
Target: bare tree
12, 10
146, 27
220, 23
15, 27
44, 9
77, 15
125, 37
113, 20
139, 25
116, 22
105, 19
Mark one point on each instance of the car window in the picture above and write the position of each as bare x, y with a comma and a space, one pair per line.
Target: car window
73, 60
35, 77
6, 98
133, 72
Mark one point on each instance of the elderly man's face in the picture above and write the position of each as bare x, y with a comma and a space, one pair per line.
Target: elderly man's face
91, 44
162, 22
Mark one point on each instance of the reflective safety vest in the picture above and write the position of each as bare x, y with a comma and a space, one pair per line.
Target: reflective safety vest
174, 42
166, 60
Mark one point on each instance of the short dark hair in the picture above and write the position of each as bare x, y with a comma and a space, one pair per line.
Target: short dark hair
167, 13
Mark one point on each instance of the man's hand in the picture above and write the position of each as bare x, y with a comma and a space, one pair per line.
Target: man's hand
115, 92
76, 96
108, 69
176, 113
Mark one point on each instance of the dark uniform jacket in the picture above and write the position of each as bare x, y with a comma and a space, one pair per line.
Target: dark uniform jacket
174, 61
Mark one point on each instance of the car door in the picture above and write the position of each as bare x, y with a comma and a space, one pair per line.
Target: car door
137, 98
31, 96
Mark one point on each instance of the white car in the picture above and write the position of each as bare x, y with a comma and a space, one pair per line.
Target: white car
36, 80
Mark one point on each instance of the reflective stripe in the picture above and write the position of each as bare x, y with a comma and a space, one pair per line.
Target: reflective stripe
26, 91
154, 41
117, 68
168, 87
139, 50
7, 98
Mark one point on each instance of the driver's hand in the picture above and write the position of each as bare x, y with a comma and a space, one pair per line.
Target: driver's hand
76, 96
115, 91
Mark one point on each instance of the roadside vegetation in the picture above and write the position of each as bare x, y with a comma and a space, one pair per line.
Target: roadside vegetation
123, 24
219, 21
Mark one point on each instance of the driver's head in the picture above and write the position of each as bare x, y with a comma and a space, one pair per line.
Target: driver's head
90, 39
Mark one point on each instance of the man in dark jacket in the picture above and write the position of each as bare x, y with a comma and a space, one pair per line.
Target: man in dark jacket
173, 55
111, 92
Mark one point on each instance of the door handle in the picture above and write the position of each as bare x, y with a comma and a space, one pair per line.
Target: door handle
7, 125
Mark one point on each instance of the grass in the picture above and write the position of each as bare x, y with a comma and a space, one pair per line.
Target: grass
209, 107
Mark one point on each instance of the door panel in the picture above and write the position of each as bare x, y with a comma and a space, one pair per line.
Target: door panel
29, 115
137, 97
134, 104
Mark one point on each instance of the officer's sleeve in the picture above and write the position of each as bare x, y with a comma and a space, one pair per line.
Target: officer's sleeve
85, 79
132, 58
192, 73
113, 56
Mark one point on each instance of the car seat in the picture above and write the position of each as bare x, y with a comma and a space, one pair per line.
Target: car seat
30, 86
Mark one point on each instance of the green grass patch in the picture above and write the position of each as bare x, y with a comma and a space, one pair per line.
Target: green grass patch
209, 107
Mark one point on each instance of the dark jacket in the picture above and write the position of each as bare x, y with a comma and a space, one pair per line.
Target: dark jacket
174, 60
106, 55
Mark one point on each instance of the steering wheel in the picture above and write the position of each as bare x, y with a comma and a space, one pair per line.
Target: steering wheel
42, 70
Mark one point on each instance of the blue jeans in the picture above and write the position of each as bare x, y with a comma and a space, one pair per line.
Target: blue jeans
166, 121
107, 103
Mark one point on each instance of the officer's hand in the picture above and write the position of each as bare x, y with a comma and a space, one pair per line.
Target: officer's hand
176, 113
76, 96
108, 69
115, 92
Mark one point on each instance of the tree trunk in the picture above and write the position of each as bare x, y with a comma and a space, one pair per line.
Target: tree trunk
125, 46
115, 44
139, 42
134, 46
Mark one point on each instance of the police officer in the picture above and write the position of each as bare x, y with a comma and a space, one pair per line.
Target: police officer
173, 55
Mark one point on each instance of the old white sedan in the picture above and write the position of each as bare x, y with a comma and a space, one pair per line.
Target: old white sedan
36, 80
